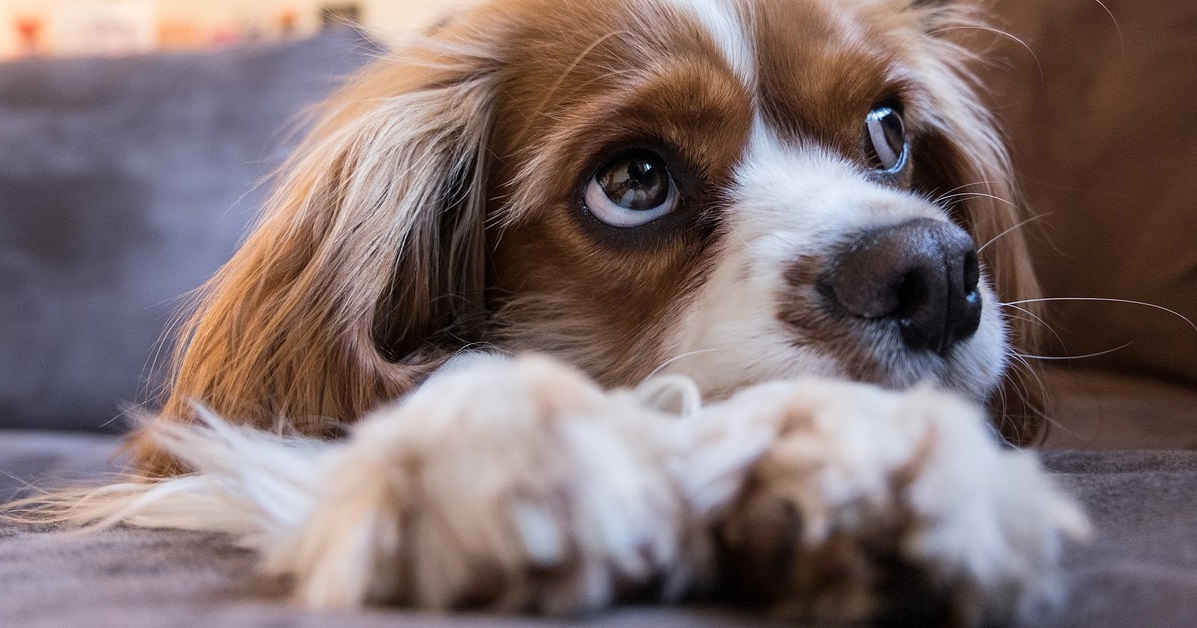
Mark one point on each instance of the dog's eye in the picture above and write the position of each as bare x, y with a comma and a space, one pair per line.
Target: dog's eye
632, 189
885, 139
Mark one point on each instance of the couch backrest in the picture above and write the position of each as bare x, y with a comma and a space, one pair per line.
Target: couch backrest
124, 183
1102, 116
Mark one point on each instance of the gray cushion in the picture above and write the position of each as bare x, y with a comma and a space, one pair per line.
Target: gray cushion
1141, 570
124, 183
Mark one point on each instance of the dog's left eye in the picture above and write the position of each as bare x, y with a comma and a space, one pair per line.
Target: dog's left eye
632, 189
886, 139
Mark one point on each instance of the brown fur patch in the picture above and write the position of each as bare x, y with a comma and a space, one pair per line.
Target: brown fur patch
821, 71
664, 88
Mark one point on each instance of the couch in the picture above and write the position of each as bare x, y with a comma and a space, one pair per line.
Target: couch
125, 182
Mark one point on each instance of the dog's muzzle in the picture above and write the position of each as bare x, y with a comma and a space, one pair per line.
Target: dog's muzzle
921, 275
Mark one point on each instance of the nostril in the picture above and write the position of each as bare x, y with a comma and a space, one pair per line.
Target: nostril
972, 272
922, 275
911, 292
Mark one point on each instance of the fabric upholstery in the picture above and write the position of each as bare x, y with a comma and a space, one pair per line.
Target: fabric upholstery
124, 183
1099, 410
1101, 109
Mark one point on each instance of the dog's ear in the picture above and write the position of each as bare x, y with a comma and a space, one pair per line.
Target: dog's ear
937, 16
370, 253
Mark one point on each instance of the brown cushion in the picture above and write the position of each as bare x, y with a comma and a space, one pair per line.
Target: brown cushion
1098, 410
1102, 116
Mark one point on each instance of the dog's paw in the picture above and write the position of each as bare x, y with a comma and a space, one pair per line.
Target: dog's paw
870, 504
512, 485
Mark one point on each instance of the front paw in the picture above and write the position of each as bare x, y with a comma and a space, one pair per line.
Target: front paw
512, 485
897, 506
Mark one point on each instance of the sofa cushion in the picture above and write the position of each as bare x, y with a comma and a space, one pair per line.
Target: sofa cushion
124, 183
1101, 109
1093, 409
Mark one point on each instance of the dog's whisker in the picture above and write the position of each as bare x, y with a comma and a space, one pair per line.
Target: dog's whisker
979, 195
1000, 33
1029, 370
539, 109
948, 194
1117, 26
1018, 376
1031, 316
1074, 357
675, 358
969, 185
1016, 227
1104, 300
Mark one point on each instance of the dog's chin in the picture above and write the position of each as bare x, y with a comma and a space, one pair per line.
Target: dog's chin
972, 370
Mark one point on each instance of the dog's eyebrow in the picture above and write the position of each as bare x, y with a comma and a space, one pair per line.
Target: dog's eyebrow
682, 103
728, 29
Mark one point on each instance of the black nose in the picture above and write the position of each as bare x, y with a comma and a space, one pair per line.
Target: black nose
922, 274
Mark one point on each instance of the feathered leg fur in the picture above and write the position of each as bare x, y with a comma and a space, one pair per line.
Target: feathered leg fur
520, 485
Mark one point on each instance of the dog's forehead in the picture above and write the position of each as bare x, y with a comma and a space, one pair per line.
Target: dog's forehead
792, 58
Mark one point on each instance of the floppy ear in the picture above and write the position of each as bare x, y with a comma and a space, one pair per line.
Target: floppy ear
962, 162
933, 15
368, 259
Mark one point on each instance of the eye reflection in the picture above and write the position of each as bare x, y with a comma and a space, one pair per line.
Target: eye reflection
632, 189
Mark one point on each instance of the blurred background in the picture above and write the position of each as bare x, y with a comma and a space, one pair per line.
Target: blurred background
116, 27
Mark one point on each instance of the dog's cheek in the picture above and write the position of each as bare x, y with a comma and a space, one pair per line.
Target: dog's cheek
604, 310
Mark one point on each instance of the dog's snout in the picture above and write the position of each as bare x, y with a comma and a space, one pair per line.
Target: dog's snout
923, 274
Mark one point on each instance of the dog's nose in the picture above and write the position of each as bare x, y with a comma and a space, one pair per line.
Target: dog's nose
922, 274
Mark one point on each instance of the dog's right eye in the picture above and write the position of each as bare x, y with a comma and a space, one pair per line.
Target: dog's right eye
632, 189
885, 137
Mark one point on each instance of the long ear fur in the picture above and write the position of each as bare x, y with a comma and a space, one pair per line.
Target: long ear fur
964, 164
371, 250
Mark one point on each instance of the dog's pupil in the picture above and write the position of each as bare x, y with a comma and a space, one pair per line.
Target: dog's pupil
885, 132
894, 133
635, 183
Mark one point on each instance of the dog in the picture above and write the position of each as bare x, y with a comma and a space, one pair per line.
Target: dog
628, 299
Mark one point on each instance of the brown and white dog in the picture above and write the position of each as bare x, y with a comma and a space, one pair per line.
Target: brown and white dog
718, 234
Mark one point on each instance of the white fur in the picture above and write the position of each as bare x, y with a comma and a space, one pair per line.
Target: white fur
986, 520
729, 30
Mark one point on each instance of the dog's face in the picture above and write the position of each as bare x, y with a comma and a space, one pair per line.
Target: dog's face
737, 191
734, 190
